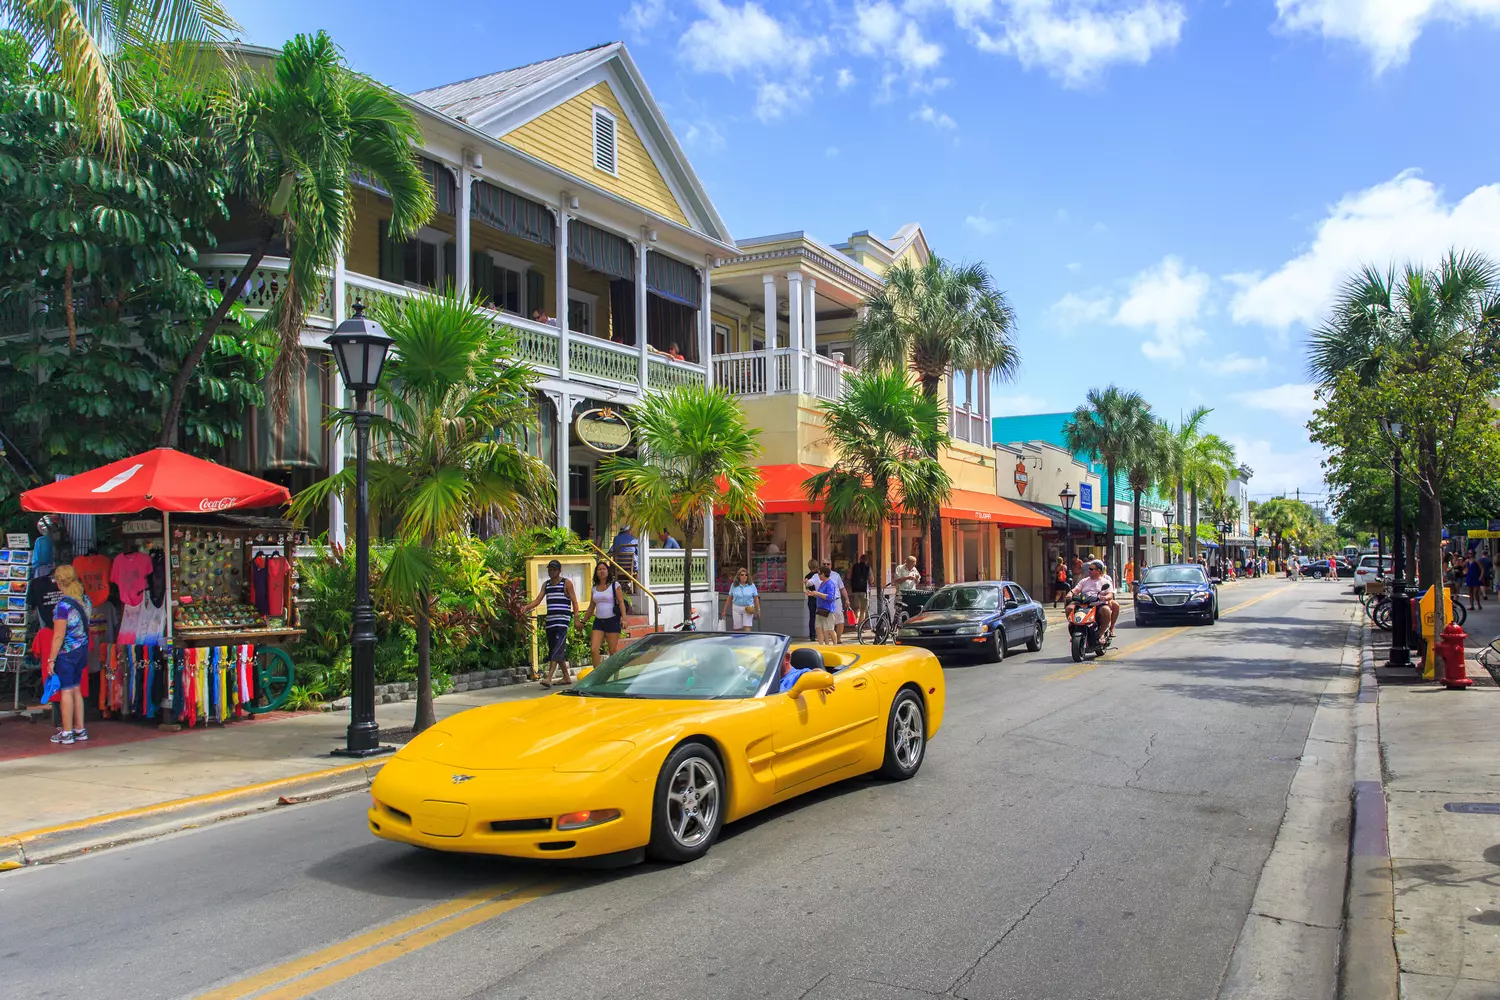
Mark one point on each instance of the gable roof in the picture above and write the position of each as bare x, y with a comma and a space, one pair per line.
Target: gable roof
499, 103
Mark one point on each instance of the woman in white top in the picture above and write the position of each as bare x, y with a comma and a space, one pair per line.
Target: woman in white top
607, 605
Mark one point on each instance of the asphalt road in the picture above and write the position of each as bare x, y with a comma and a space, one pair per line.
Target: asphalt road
1074, 833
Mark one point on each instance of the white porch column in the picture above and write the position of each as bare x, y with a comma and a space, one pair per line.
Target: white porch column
769, 280
984, 411
564, 404
562, 291
794, 312
336, 401
641, 313
952, 417
810, 321
706, 322
461, 251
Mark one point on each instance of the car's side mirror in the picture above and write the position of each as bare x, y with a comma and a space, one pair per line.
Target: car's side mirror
813, 680
582, 672
1012, 605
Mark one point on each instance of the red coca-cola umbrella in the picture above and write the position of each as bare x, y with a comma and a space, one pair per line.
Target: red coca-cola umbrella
162, 479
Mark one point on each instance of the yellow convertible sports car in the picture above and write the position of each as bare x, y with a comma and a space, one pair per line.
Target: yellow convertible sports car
653, 752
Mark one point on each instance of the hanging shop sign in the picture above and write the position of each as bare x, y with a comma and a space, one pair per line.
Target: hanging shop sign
1085, 496
145, 526
603, 429
1021, 478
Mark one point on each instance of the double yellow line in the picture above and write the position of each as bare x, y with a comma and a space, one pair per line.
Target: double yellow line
304, 976
1079, 669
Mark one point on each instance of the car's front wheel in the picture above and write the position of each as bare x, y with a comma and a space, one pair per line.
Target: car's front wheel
1034, 644
997, 646
905, 737
688, 810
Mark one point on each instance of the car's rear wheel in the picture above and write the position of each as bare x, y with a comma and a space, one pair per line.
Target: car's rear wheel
688, 810
905, 737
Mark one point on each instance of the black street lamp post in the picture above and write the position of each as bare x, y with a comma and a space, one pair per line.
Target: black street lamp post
1067, 496
360, 347
1169, 515
1400, 605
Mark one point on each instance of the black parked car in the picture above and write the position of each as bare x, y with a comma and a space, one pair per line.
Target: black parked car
1176, 592
977, 619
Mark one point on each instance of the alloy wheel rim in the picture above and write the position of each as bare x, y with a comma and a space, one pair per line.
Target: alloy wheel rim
692, 802
908, 734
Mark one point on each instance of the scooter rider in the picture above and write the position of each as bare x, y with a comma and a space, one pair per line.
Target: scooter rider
1098, 587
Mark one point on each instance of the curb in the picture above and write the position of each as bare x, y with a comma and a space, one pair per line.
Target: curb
1368, 968
1288, 947
54, 843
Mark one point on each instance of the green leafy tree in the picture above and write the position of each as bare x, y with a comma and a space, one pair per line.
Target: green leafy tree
697, 453
291, 143
450, 420
934, 319
884, 432
1420, 346
92, 48
1112, 425
1148, 464
1200, 463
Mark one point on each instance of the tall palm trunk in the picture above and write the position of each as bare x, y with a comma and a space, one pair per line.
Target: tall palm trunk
1181, 515
1135, 540
935, 525
426, 716
689, 529
1193, 534
1110, 562
1431, 527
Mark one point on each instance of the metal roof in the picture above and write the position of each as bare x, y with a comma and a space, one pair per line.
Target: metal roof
471, 98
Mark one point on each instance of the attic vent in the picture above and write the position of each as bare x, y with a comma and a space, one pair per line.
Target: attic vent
604, 141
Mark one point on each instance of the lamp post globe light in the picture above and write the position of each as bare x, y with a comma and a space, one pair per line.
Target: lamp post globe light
1169, 515
360, 348
1067, 496
1400, 606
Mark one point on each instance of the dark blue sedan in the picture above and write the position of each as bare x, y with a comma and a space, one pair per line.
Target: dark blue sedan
1181, 592
981, 619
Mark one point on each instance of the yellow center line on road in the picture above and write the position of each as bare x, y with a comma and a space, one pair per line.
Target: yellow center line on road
306, 975
1079, 669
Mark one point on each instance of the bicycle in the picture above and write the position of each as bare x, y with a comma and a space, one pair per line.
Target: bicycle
1378, 608
881, 627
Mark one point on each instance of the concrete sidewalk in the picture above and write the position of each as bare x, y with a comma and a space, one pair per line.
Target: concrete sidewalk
1440, 757
91, 781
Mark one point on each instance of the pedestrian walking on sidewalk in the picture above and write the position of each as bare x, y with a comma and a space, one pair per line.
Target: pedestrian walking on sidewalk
742, 601
826, 594
562, 605
70, 652
1060, 583
811, 582
1474, 580
607, 605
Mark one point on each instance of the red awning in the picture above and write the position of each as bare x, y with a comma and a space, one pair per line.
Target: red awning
966, 505
161, 479
781, 488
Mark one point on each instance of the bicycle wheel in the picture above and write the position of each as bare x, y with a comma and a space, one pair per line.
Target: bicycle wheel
1381, 616
1460, 613
867, 630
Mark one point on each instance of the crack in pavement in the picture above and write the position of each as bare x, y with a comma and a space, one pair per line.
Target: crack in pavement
826, 976
1073, 746
1150, 748
1289, 920
968, 973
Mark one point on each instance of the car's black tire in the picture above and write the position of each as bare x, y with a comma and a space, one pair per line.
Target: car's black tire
995, 650
905, 737
691, 760
1034, 644
1077, 646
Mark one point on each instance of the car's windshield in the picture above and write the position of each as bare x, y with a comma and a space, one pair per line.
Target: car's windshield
1368, 562
685, 666
965, 598
1173, 574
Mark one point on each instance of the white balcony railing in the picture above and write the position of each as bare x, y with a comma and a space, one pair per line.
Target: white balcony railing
744, 373
967, 426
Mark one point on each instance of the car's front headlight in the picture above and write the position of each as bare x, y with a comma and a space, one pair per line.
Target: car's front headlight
970, 630
908, 633
1143, 596
1200, 595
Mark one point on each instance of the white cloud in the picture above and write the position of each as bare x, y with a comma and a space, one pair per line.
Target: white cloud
831, 152
880, 29
935, 118
1005, 404
644, 15
1073, 310
980, 224
772, 99
1293, 400
1278, 471
1073, 267
1167, 300
1386, 29
1400, 219
704, 135
745, 39
1074, 40
1234, 364
846, 78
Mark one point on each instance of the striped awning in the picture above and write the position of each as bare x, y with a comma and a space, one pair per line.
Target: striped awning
444, 188
673, 280
512, 214
603, 252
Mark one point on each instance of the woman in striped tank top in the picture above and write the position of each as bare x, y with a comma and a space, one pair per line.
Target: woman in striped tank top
562, 605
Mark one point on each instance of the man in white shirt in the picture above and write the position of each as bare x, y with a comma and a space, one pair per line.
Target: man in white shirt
1097, 586
907, 576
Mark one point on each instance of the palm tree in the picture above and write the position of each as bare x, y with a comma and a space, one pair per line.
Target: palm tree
449, 425
1412, 323
89, 46
697, 453
1198, 463
884, 431
935, 319
1108, 428
1149, 465
291, 144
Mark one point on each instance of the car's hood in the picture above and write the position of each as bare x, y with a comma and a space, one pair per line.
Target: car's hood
1175, 588
950, 617
561, 731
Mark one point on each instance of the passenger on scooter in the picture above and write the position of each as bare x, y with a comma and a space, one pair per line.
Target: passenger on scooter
1097, 586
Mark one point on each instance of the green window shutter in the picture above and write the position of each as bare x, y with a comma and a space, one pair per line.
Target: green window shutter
389, 260
536, 291
450, 266
482, 276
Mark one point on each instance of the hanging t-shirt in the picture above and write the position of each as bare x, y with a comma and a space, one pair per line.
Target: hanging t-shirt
259, 582
42, 598
93, 573
276, 573
41, 556
129, 573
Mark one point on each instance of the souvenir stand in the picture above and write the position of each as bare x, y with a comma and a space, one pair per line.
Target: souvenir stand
218, 654
15, 583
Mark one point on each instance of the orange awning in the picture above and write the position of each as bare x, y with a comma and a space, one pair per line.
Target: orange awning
782, 491
966, 505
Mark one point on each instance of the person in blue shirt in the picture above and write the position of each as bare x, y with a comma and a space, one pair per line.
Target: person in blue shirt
668, 542
827, 594
622, 549
799, 662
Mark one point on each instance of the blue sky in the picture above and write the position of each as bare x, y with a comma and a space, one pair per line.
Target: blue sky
1169, 192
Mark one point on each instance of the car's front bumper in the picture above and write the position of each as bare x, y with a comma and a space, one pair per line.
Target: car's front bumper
418, 802
951, 644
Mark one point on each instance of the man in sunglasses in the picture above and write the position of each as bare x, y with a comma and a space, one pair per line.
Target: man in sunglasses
1098, 587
